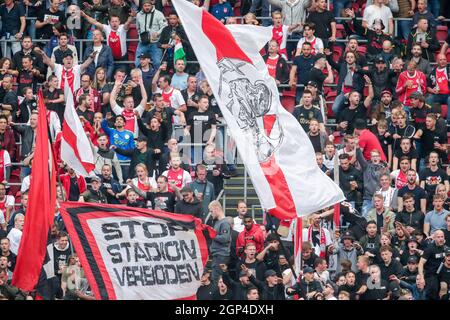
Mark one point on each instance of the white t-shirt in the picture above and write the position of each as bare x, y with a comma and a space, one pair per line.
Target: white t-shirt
121, 32
97, 49
316, 44
7, 202
6, 159
373, 12
14, 236
25, 184
74, 76
238, 224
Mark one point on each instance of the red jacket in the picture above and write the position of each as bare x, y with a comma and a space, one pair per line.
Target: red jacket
254, 235
65, 180
419, 83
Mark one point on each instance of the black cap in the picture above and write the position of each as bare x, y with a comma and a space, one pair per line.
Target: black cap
145, 56
319, 56
348, 235
379, 59
68, 54
413, 259
269, 273
360, 124
142, 138
312, 84
447, 252
308, 270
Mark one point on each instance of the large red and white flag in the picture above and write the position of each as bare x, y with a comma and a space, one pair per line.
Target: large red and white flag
76, 151
275, 149
40, 211
138, 254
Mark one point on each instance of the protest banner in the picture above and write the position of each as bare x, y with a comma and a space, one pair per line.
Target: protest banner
138, 254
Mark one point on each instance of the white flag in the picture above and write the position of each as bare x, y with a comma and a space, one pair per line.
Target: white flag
276, 151
75, 147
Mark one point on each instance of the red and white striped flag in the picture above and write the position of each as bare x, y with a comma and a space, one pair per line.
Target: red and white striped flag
298, 240
76, 150
275, 150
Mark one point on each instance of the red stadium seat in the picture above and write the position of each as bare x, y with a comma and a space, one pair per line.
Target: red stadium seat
448, 54
340, 31
362, 49
167, 9
330, 97
444, 110
441, 33
337, 52
132, 45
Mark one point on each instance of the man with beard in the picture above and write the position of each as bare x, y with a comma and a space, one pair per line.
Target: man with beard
251, 234
301, 68
422, 63
420, 197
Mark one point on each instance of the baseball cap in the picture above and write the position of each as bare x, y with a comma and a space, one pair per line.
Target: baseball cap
447, 252
386, 90
379, 59
271, 237
416, 95
269, 273
243, 273
308, 270
142, 138
96, 178
312, 84
411, 239
413, 259
348, 235
145, 56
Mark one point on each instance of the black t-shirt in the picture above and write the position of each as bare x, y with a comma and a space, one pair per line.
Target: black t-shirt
164, 201
323, 21
166, 117
434, 256
428, 139
57, 107
361, 279
385, 143
11, 19
444, 275
304, 116
46, 32
199, 123
11, 260
447, 236
350, 115
315, 141
376, 291
417, 192
194, 97
87, 114
218, 296
432, 179
412, 154
26, 79
74, 191
419, 116
408, 131
206, 292
317, 76
304, 66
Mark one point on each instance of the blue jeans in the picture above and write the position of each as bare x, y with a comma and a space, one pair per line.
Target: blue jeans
434, 6
366, 207
403, 29
216, 270
31, 28
442, 99
338, 104
153, 50
339, 5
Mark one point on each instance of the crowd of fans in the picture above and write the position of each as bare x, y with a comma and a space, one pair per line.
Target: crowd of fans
371, 92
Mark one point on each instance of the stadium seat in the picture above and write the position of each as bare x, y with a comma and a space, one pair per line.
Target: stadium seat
331, 96
337, 53
362, 49
132, 45
167, 9
441, 33
340, 31
448, 54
